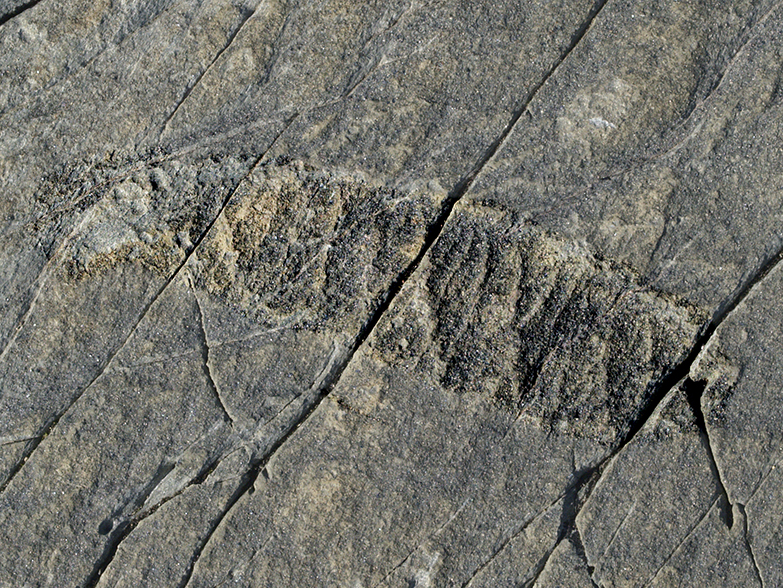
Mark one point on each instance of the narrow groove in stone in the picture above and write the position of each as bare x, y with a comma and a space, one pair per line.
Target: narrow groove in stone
426, 539
17, 11
432, 235
505, 543
125, 527
246, 15
756, 570
205, 358
694, 391
674, 551
26, 311
542, 564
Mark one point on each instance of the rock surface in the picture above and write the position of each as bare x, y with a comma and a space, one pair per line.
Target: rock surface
412, 293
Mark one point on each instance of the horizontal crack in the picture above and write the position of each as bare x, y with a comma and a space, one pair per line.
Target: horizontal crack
8, 441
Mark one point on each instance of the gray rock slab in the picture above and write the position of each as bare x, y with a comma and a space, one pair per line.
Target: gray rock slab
566, 567
390, 293
426, 451
742, 371
662, 159
658, 515
227, 357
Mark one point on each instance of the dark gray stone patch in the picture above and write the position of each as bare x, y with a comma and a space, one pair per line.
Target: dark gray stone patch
539, 325
403, 461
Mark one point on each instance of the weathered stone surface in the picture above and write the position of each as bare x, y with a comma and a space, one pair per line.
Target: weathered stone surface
666, 159
742, 371
97, 285
658, 516
231, 352
566, 567
390, 293
419, 440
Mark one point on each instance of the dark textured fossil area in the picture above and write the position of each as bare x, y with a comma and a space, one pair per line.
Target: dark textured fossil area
391, 293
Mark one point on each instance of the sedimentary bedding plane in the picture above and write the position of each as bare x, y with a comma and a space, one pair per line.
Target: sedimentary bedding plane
395, 293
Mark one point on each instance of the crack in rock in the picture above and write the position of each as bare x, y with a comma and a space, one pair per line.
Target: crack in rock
748, 545
247, 14
695, 390
205, 355
52, 423
16, 11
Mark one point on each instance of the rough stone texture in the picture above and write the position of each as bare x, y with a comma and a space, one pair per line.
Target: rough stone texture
228, 346
566, 567
391, 293
668, 159
665, 470
741, 368
406, 430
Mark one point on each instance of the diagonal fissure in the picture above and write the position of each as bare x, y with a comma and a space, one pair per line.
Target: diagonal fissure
13, 13
52, 423
687, 536
429, 537
541, 565
386, 299
748, 546
247, 14
693, 392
